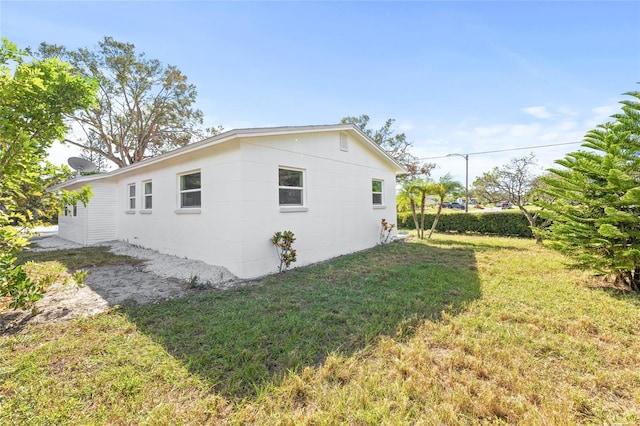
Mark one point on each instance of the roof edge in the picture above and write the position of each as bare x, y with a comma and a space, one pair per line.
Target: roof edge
240, 133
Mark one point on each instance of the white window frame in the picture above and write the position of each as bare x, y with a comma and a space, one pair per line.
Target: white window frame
146, 196
131, 199
380, 193
293, 207
182, 208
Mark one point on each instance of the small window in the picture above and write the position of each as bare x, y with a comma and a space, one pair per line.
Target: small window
131, 195
70, 210
190, 195
148, 195
376, 191
291, 187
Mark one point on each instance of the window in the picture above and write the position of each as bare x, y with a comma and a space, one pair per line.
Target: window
376, 191
148, 197
71, 210
131, 196
290, 186
190, 190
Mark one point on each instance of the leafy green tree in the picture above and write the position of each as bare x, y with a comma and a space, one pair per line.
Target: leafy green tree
396, 144
416, 191
444, 187
38, 204
144, 108
515, 183
595, 211
35, 97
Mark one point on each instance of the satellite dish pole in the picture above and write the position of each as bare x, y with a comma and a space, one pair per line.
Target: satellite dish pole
81, 165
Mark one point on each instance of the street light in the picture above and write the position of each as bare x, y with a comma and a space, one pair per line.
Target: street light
466, 184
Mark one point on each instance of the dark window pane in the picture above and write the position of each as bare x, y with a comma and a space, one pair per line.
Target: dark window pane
376, 186
147, 188
190, 199
191, 181
290, 197
132, 204
377, 199
132, 190
148, 202
290, 177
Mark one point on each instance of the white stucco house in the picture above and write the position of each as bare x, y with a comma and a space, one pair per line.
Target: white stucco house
220, 200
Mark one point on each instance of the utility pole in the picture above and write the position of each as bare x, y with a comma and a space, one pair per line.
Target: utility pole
466, 183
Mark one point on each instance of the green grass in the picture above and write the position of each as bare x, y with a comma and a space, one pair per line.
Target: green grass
456, 330
242, 339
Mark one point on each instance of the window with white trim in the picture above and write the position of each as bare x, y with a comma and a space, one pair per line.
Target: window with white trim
71, 210
290, 187
376, 192
131, 196
147, 188
190, 190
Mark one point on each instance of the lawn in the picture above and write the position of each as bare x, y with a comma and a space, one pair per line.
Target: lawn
455, 330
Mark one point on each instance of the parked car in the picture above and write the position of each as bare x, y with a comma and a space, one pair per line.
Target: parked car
456, 205
505, 205
446, 205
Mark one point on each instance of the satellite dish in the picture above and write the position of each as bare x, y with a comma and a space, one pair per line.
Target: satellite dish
81, 165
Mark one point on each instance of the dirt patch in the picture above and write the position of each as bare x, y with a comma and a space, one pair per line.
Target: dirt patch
106, 287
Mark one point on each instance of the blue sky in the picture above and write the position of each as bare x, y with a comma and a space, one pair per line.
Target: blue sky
458, 77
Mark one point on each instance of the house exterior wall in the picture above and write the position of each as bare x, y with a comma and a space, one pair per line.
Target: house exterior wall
208, 233
101, 221
338, 216
73, 228
240, 208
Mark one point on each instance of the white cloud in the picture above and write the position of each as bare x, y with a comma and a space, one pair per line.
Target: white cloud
538, 112
601, 115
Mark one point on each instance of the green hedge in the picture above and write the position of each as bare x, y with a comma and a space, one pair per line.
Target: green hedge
511, 224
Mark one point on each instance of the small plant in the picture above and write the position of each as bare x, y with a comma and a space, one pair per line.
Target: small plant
79, 276
196, 283
283, 242
385, 231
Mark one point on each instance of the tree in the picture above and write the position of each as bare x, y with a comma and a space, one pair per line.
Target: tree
35, 97
416, 191
396, 144
144, 108
514, 183
445, 186
595, 211
36, 202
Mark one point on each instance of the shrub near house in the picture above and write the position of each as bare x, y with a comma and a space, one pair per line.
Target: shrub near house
511, 224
